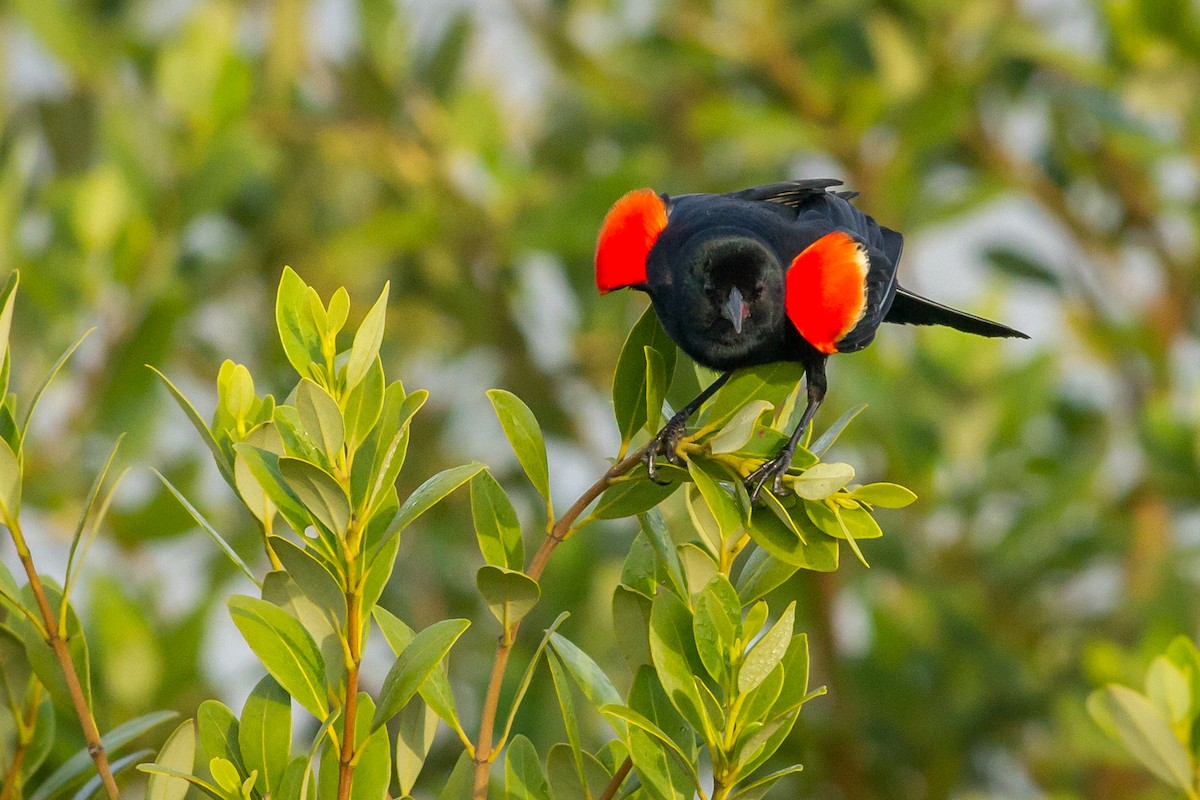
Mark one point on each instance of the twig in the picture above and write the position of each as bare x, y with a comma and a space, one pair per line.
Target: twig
557, 533
58, 644
618, 778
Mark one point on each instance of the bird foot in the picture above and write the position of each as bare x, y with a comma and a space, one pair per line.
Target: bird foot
773, 471
665, 443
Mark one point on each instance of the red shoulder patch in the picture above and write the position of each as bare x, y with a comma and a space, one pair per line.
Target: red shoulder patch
827, 289
629, 231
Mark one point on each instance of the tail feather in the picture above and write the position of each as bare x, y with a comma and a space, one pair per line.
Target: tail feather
912, 309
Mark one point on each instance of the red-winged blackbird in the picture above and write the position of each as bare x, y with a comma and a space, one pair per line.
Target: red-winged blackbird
785, 272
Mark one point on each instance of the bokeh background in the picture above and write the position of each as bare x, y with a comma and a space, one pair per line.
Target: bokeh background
162, 160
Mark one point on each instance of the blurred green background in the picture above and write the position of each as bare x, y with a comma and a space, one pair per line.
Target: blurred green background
162, 160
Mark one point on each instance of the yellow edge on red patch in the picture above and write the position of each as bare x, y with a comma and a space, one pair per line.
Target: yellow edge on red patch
827, 289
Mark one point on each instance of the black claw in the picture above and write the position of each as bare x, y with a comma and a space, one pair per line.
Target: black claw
665, 443
773, 471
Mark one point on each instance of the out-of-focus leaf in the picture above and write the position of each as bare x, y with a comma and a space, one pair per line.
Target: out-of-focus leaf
1144, 733
81, 764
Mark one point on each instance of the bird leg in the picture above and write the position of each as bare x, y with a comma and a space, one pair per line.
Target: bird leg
667, 440
774, 469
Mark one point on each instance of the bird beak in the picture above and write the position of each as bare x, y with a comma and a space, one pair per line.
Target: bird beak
734, 309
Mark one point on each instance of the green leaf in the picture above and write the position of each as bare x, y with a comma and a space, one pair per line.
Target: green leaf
592, 680
177, 753
715, 626
367, 340
673, 651
285, 648
321, 495
656, 388
42, 657
320, 417
523, 776
10, 484
795, 677
219, 733
820, 553
363, 406
298, 326
737, 432
313, 578
116, 767
759, 788
509, 594
421, 657
699, 567
338, 311
44, 737
525, 435
566, 704
641, 723
373, 771
154, 769
720, 503
629, 380
80, 763
41, 390
436, 689
429, 493
496, 524
564, 774
632, 494
413, 739
280, 589
631, 623
659, 764
264, 466
826, 439
265, 734
884, 495
1145, 734
768, 651
655, 530
8, 299
1169, 689
458, 785
527, 678
771, 382
205, 526
822, 480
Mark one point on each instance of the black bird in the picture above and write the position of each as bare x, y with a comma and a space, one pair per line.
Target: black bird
785, 272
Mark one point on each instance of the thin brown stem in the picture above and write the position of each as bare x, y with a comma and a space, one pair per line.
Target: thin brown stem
58, 644
559, 531
618, 778
354, 641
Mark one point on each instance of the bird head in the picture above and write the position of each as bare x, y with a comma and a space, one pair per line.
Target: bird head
720, 293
